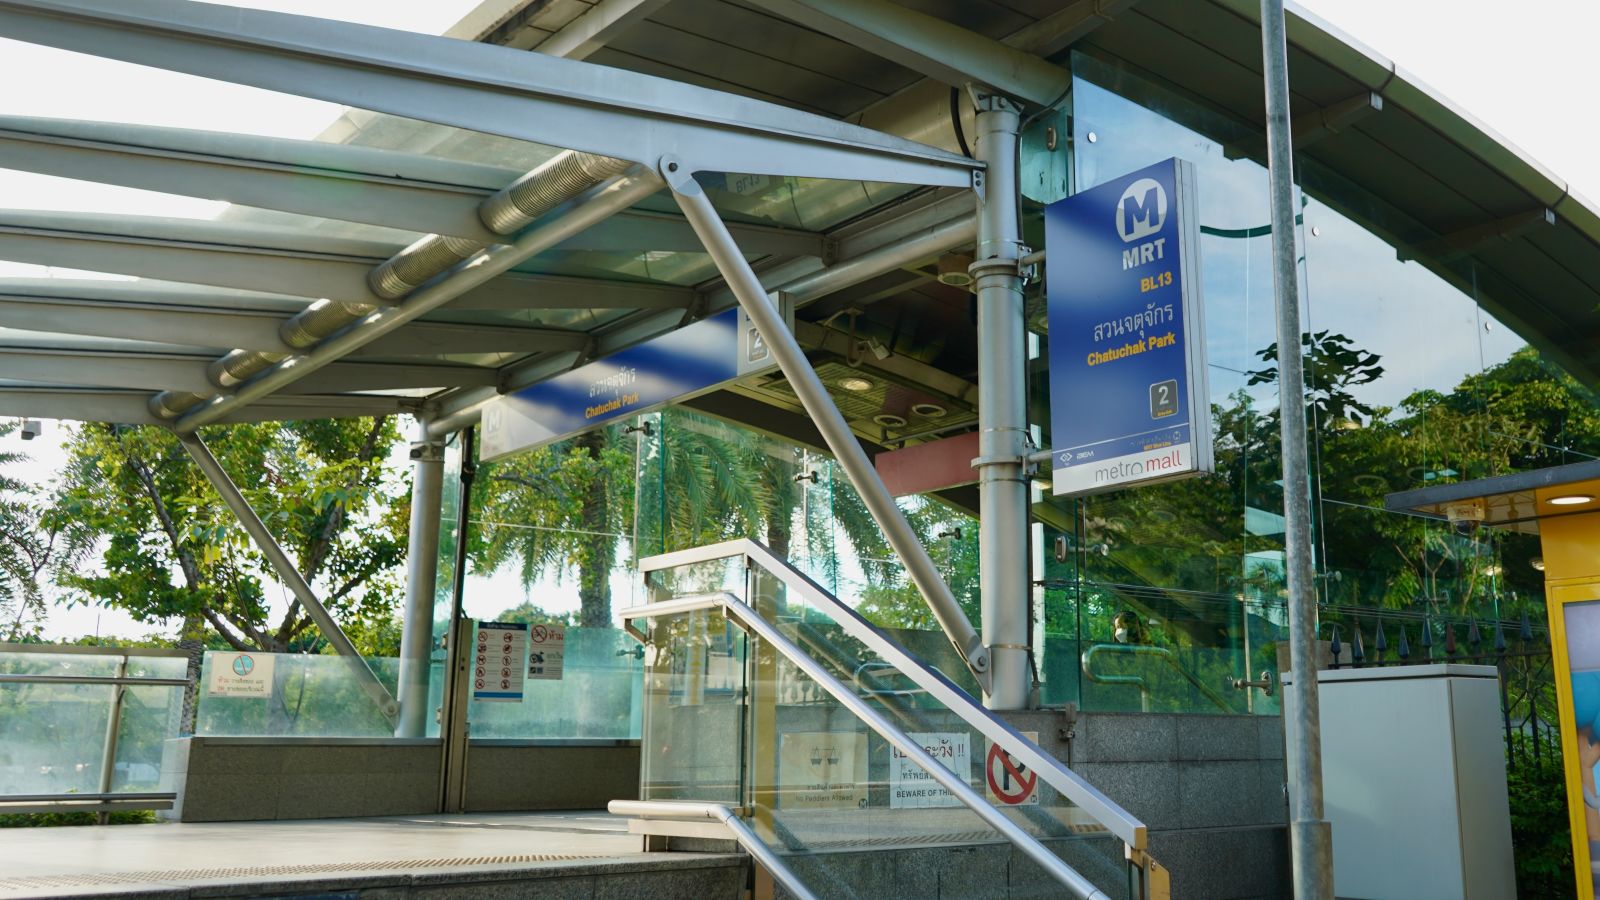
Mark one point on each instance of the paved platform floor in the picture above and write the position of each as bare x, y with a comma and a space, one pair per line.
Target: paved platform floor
175, 859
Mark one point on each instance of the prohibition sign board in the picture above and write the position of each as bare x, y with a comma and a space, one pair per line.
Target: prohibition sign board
1010, 782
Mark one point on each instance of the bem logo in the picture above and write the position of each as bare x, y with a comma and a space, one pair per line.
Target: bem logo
1142, 210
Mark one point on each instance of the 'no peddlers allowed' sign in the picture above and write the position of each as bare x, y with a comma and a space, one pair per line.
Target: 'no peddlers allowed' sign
1128, 396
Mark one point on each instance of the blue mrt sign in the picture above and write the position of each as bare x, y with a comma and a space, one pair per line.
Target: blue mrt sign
1128, 396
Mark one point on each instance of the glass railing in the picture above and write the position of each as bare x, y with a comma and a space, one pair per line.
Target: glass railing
86, 728
845, 752
294, 694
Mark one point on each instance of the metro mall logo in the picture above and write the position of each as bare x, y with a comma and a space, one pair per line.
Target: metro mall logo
1142, 210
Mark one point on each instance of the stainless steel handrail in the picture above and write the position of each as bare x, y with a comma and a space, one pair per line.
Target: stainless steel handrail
913, 750
1066, 782
1161, 653
741, 830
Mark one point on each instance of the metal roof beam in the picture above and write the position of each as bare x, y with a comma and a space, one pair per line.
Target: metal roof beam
929, 45
304, 177
166, 371
570, 218
225, 255
330, 181
212, 253
225, 329
1068, 25
1312, 127
528, 96
132, 407
591, 31
1469, 240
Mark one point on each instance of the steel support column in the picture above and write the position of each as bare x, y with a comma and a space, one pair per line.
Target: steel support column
285, 569
422, 572
1310, 836
1002, 410
791, 359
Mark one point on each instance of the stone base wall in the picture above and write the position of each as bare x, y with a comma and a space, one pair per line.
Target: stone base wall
254, 779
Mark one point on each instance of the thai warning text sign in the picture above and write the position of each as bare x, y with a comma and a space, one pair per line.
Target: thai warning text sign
911, 786
547, 650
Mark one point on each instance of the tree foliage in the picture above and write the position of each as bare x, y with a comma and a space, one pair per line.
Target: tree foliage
38, 545
174, 550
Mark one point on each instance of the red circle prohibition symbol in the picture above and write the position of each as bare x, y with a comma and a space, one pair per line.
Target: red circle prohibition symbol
1011, 774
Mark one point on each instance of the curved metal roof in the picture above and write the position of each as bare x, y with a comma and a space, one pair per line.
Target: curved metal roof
774, 86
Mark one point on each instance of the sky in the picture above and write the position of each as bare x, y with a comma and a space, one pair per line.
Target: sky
1518, 74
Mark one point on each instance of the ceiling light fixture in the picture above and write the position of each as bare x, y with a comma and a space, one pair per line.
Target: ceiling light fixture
1570, 499
1538, 563
856, 384
889, 420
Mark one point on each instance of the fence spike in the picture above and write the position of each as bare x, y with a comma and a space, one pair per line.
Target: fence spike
1404, 650
1474, 637
1499, 637
1358, 652
1449, 639
1526, 631
1427, 638
1334, 647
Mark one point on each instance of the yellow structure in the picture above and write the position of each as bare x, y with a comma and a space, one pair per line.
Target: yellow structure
1561, 505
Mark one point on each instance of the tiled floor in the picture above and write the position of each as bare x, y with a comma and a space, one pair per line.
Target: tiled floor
45, 861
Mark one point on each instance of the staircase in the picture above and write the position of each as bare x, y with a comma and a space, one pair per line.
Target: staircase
780, 722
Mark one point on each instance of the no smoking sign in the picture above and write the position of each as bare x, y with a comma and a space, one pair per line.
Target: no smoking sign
1010, 782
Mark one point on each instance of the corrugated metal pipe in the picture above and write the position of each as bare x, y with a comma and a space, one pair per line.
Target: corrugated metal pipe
509, 210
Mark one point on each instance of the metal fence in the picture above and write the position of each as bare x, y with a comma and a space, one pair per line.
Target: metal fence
49, 702
1523, 661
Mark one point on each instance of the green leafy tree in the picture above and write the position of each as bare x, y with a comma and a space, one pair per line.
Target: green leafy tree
38, 547
557, 509
174, 550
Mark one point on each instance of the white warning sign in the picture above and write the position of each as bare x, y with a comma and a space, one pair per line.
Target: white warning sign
1010, 782
240, 675
822, 770
547, 650
910, 785
499, 661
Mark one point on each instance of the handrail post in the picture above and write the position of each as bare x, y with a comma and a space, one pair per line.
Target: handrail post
108, 763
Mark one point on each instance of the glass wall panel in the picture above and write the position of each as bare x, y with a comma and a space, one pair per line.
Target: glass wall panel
1160, 588
551, 540
1412, 381
312, 695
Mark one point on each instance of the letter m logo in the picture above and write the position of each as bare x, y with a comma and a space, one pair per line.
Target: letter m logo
1142, 210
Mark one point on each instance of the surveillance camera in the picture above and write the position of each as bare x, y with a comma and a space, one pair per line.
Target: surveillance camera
1466, 516
31, 428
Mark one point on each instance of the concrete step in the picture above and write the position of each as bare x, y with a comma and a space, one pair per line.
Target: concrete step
478, 856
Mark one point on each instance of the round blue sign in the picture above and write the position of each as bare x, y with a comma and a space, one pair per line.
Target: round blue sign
243, 665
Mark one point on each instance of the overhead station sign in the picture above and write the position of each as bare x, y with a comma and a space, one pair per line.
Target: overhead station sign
1129, 402
690, 360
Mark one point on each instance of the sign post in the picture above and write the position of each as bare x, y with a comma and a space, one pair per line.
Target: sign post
1129, 402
